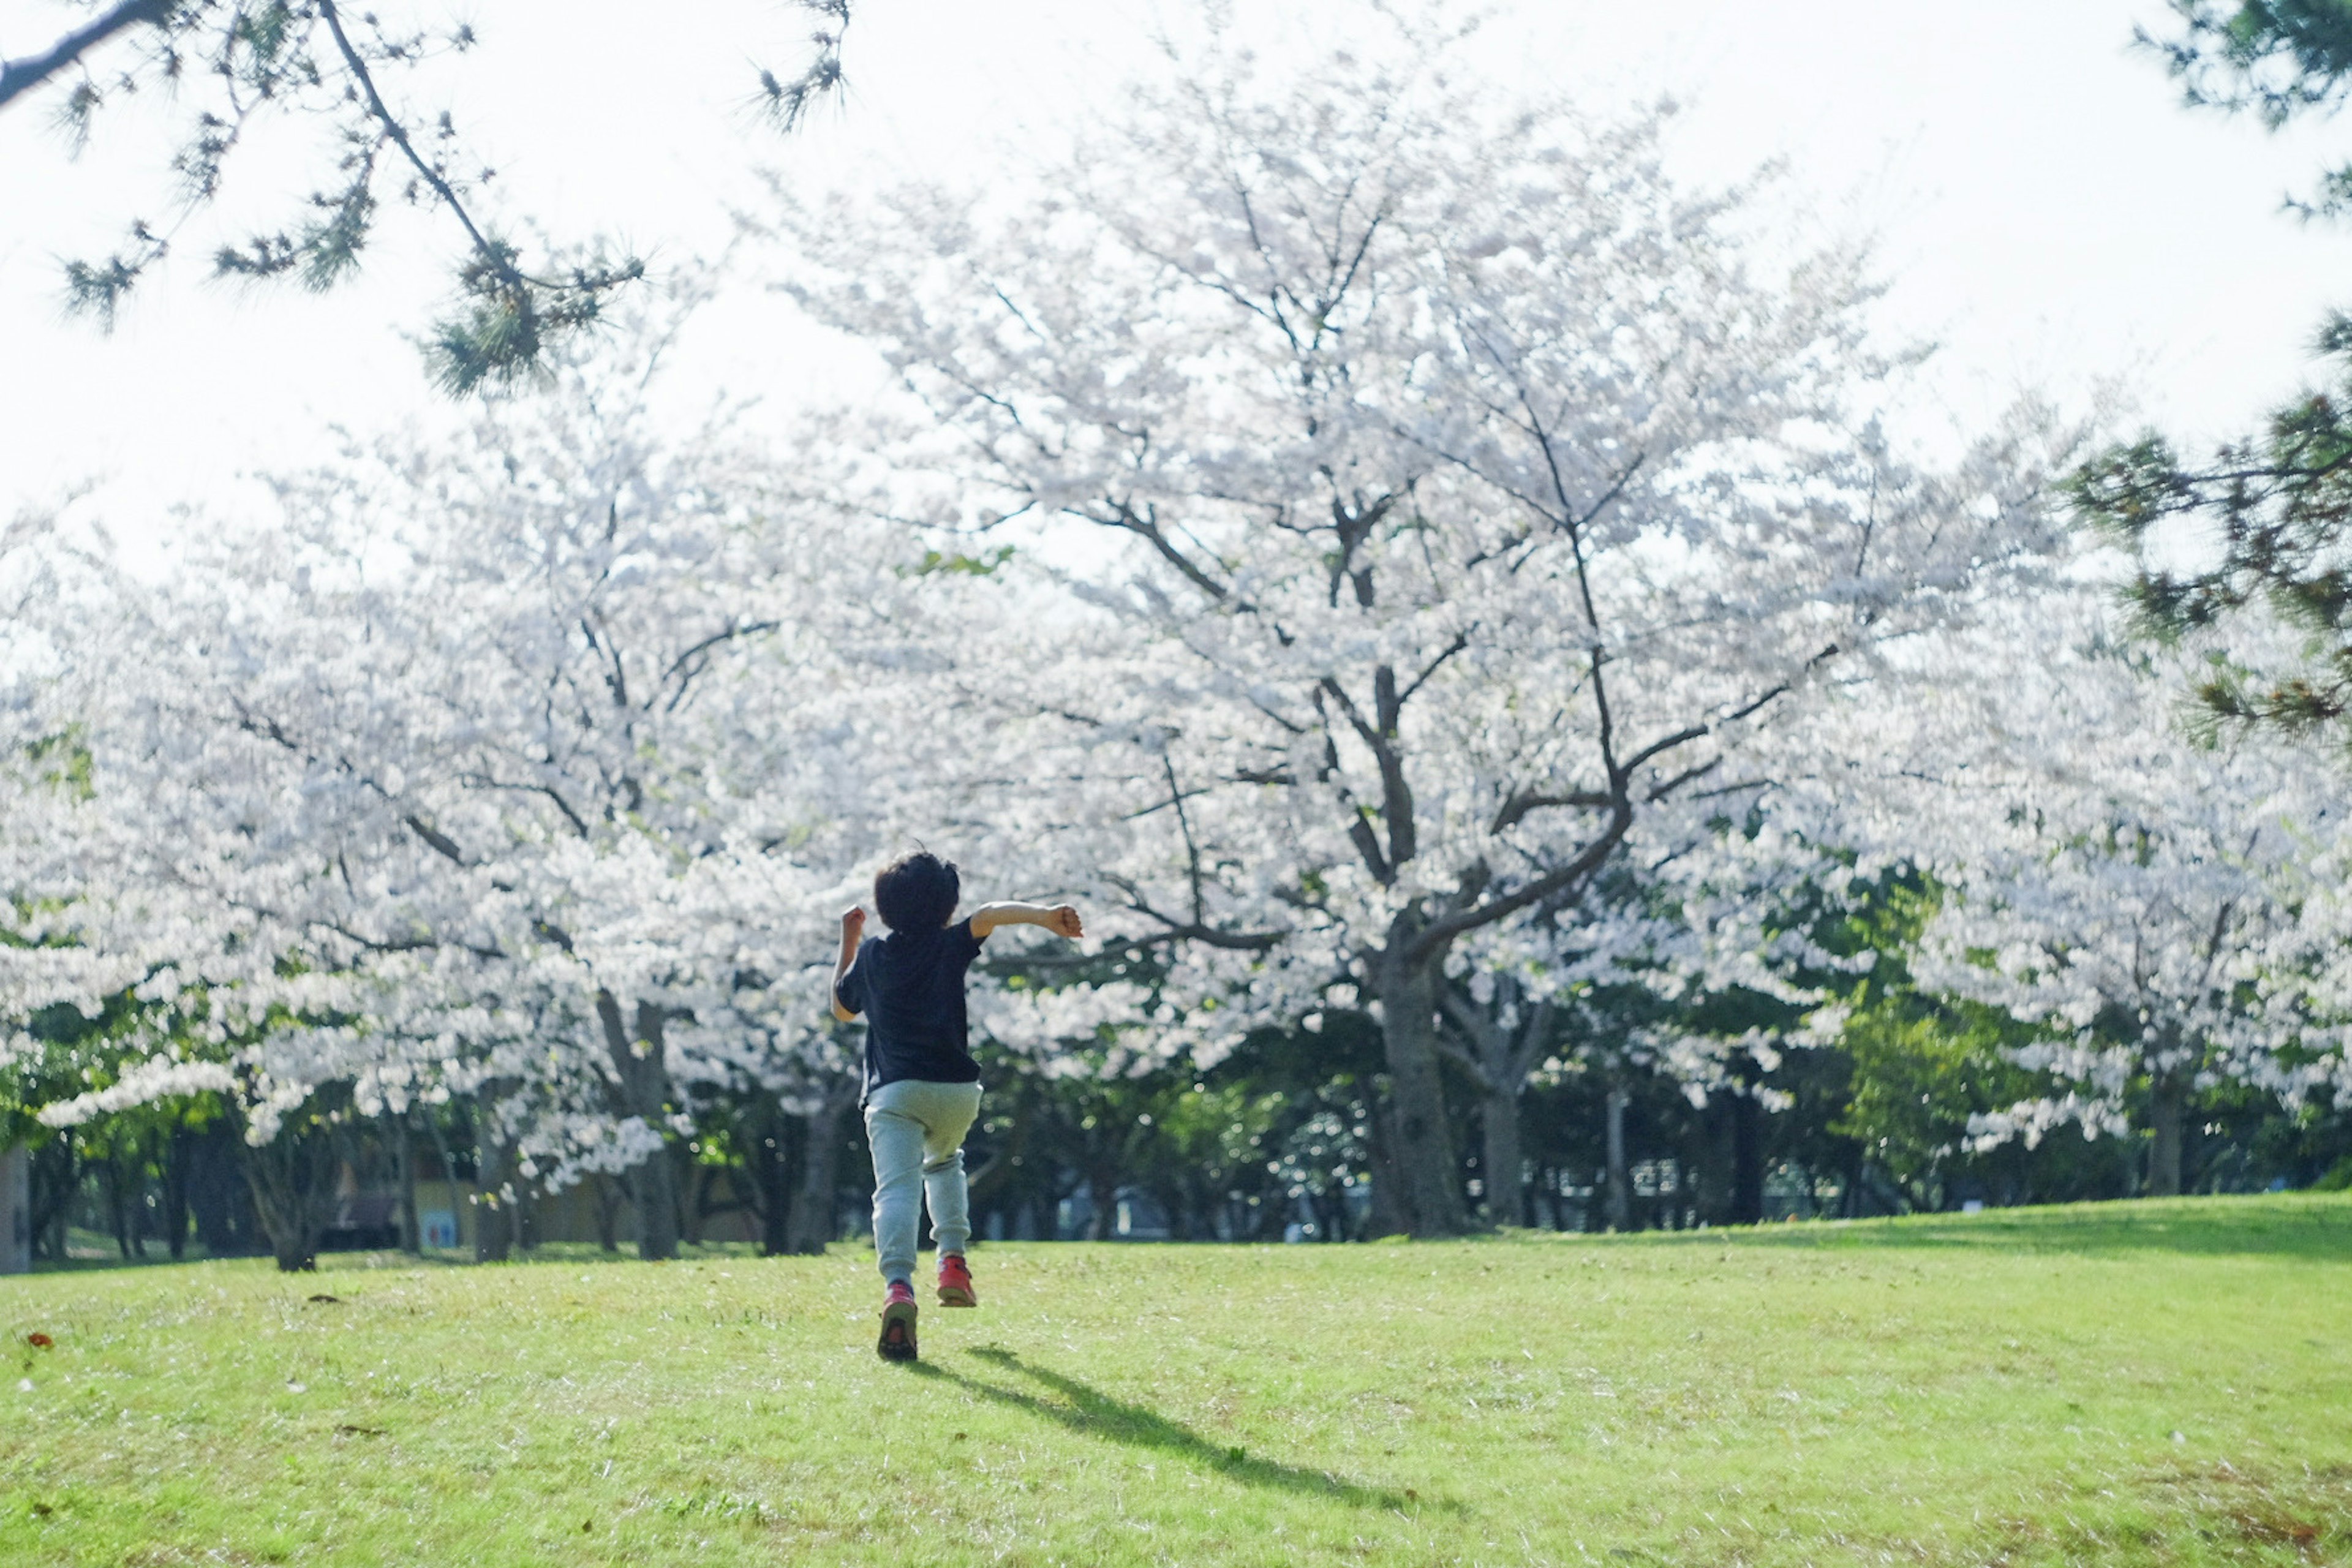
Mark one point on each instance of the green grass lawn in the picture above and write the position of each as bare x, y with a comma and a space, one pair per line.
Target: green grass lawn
2145, 1382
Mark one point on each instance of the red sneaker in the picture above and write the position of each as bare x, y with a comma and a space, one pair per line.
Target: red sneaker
955, 1281
897, 1342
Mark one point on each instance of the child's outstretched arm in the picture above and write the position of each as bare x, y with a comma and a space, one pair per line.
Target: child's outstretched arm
852, 927
1062, 920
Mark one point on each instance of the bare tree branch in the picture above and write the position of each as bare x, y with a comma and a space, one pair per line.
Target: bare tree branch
1190, 930
440, 842
1516, 808
1573, 873
19, 76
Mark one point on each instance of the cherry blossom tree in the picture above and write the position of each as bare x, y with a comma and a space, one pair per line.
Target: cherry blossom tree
2155, 895
524, 767
1464, 495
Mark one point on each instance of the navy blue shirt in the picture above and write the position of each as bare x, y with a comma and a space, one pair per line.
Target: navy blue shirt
910, 987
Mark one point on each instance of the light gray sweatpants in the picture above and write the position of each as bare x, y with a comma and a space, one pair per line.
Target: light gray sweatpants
916, 1130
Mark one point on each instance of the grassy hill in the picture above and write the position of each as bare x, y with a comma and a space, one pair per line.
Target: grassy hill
2161, 1383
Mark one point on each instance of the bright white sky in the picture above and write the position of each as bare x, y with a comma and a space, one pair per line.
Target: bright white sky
2051, 214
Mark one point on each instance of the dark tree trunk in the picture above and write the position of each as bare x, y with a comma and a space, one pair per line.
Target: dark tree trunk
175, 1192
1420, 1151
56, 1174
494, 1215
813, 1205
1102, 1197
1620, 1204
118, 1178
497, 1221
1747, 1161
608, 1198
1506, 1188
1712, 1177
403, 1161
767, 1159
642, 1072
292, 1178
2167, 1112
697, 1184
1387, 1217
1007, 1159
218, 1192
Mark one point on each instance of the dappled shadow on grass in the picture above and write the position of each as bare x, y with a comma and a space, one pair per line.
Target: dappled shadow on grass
2316, 1226
1091, 1412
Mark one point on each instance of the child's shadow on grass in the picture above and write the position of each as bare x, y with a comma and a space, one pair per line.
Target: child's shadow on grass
1097, 1415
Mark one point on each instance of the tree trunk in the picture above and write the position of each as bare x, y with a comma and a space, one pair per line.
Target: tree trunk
403, 1160
697, 1208
1102, 1198
494, 1215
813, 1205
1506, 1188
56, 1174
657, 1186
1420, 1152
767, 1159
1387, 1217
175, 1192
140, 1228
608, 1197
1747, 1160
1620, 1207
291, 1178
1712, 1178
2167, 1110
642, 1073
112, 1183
219, 1193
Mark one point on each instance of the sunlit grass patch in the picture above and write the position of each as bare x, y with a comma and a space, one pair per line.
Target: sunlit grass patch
2157, 1383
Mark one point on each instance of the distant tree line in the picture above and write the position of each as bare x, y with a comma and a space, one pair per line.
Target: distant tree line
1271, 1144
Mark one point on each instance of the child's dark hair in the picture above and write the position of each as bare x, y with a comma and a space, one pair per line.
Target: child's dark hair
917, 892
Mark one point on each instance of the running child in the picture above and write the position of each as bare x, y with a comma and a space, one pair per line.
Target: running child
922, 1088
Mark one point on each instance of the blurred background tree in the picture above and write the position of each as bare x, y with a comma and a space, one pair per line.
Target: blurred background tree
2260, 527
